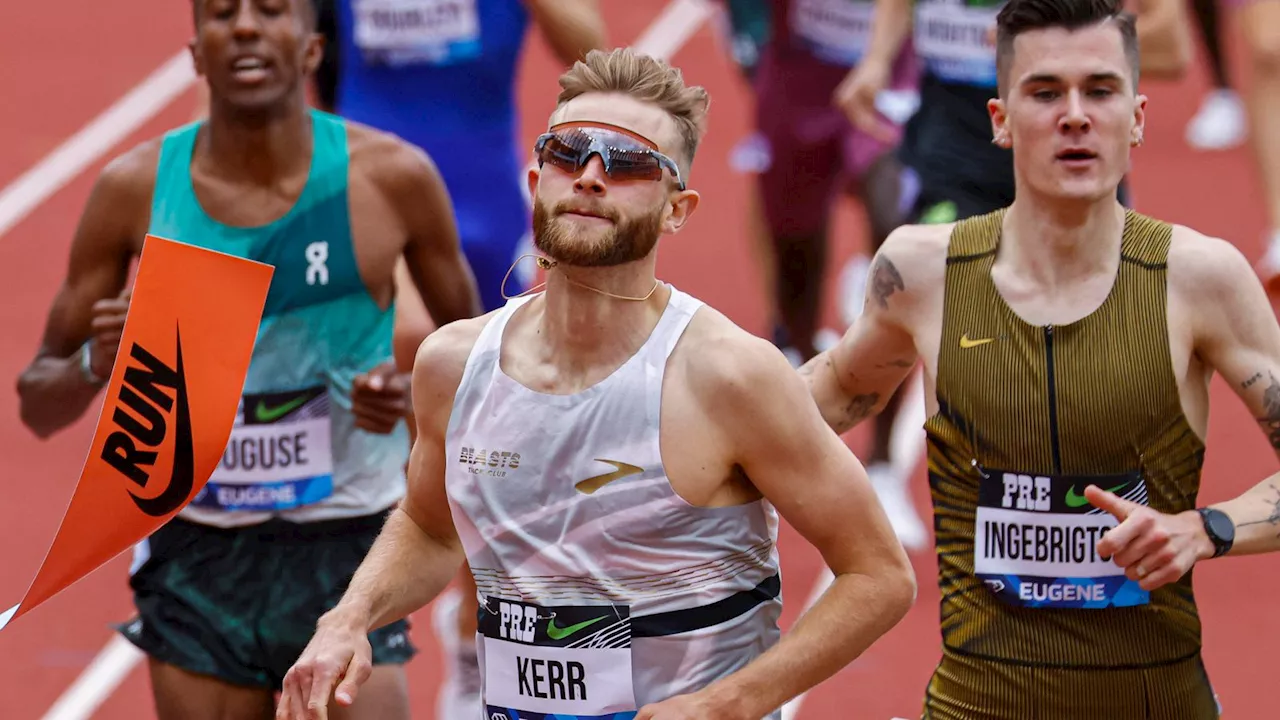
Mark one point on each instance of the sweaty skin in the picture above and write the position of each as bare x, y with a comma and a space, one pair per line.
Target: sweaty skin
736, 426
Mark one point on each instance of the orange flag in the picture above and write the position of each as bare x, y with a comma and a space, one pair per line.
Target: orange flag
170, 405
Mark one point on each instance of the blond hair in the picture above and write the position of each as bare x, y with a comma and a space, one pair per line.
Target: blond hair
644, 78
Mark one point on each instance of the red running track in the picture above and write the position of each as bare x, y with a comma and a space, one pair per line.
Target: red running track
70, 60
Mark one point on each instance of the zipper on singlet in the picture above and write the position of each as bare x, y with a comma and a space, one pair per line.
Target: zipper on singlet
1053, 400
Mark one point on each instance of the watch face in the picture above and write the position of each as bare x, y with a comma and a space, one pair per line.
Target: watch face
1221, 526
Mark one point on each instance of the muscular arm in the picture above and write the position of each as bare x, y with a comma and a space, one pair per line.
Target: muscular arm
1237, 336
1164, 37
819, 487
418, 551
854, 380
571, 27
52, 390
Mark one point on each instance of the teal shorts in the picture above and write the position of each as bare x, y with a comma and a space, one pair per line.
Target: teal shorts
241, 604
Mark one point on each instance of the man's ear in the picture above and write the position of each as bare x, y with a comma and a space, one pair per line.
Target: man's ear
1139, 121
683, 205
197, 62
532, 179
999, 123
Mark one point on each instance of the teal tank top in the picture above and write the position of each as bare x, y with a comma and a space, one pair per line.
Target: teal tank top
295, 451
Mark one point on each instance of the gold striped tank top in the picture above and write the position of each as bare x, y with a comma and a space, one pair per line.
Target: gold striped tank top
1028, 416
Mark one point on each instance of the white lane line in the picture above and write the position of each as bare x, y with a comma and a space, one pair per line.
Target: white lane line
94, 140
101, 678
673, 27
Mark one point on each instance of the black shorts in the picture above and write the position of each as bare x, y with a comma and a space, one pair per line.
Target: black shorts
241, 604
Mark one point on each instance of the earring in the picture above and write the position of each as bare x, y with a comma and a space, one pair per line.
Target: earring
1137, 140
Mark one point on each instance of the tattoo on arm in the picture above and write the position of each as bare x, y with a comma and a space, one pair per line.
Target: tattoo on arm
860, 407
1247, 383
1274, 518
1270, 420
810, 367
885, 281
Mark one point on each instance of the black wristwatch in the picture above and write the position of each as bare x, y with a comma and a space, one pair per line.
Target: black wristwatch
1219, 528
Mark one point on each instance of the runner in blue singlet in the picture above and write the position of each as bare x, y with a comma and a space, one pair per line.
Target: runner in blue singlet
441, 74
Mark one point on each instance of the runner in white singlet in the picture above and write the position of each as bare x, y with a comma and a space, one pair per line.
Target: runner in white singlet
611, 458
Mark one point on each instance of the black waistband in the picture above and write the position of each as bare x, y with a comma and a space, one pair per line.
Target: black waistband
690, 619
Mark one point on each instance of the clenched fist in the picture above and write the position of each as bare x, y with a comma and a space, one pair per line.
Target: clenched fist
107, 327
380, 398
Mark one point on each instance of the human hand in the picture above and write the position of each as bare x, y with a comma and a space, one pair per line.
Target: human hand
107, 327
380, 398
1153, 548
856, 96
339, 654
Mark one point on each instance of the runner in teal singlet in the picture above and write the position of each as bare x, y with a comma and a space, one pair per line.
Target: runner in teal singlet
228, 593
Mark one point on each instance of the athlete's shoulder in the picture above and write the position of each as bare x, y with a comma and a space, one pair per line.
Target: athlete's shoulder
1206, 268
373, 150
445, 351
920, 244
911, 264
729, 367
132, 174
396, 166
440, 362
118, 210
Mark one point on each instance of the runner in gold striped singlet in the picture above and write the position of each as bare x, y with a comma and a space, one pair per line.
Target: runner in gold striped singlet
1068, 345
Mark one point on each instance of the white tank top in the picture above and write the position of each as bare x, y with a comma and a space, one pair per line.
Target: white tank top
601, 589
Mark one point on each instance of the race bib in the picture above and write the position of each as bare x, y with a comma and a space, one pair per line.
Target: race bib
835, 31
279, 457
557, 663
434, 32
956, 42
1036, 538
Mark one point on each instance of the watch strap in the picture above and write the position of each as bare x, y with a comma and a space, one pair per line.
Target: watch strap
1221, 545
86, 366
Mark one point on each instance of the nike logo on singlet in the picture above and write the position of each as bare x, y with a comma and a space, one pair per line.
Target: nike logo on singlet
559, 633
966, 343
1074, 499
592, 484
271, 414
